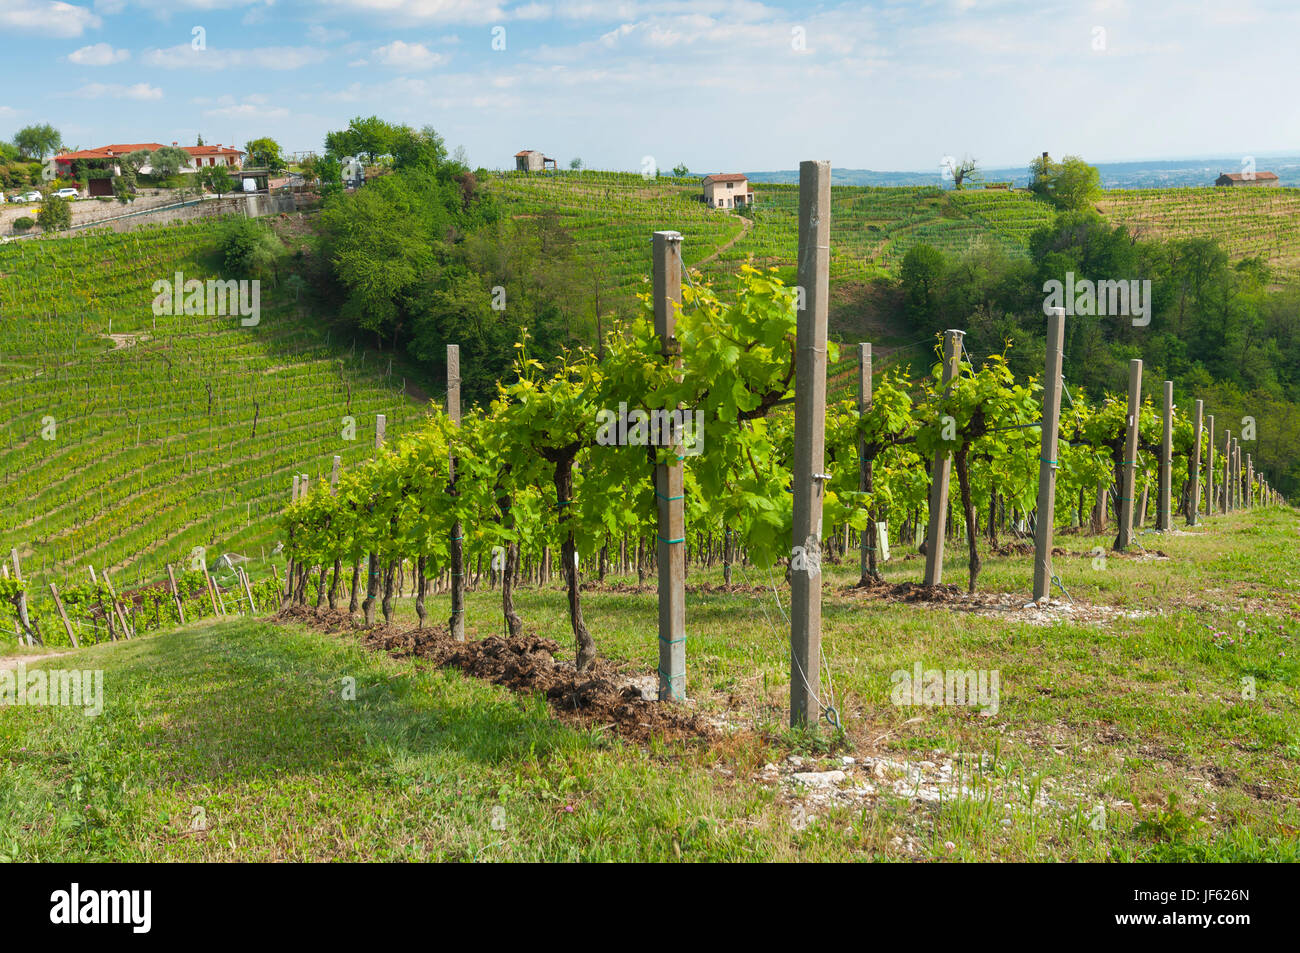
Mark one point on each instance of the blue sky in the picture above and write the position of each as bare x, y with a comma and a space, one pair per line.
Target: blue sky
717, 84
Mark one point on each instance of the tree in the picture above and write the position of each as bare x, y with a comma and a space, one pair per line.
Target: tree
36, 142
370, 136
922, 272
1069, 185
265, 152
961, 171
216, 180
1077, 184
135, 161
575, 163
169, 160
249, 249
55, 214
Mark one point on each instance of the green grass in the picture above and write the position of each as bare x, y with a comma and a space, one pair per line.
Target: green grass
1145, 716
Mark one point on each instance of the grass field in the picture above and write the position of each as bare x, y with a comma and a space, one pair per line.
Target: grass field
1139, 705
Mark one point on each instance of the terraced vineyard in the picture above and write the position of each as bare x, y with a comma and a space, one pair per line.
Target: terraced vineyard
613, 214
128, 451
1263, 222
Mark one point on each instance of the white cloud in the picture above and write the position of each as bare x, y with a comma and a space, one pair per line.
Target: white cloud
183, 56
422, 11
408, 57
248, 110
138, 91
8, 111
318, 33
49, 17
98, 54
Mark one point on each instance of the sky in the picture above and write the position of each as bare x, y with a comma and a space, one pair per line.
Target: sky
720, 85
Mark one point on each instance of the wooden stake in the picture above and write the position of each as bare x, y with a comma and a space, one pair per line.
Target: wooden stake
58, 604
671, 547
1194, 466
1164, 501
867, 560
941, 473
1129, 483
180, 609
1047, 459
809, 440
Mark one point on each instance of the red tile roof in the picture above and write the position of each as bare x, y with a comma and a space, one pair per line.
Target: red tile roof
725, 177
120, 149
1246, 177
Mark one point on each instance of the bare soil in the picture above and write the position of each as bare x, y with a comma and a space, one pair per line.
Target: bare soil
599, 697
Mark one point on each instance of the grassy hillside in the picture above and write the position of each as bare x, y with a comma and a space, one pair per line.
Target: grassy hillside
236, 741
613, 214
129, 438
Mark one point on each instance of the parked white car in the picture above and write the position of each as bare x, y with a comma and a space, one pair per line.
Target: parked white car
67, 193
27, 197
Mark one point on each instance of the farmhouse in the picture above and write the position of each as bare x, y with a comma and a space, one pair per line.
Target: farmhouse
109, 157
1247, 178
727, 190
530, 160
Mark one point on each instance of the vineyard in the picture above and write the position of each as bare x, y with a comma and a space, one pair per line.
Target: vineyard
134, 440
872, 228
518, 543
1248, 222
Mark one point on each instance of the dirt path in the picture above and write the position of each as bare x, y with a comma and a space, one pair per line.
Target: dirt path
745, 223
8, 662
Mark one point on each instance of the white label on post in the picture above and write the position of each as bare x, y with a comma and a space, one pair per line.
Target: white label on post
882, 541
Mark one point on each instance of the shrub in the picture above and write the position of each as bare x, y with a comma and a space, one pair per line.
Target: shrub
23, 224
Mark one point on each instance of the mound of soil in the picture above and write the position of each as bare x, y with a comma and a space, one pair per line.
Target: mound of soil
911, 592
527, 664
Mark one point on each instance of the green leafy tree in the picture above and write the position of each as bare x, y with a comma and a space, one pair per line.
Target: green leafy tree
38, 141
169, 160
681, 170
55, 214
216, 180
265, 153
575, 163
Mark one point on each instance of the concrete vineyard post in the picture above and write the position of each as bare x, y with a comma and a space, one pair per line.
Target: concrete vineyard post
1209, 465
1227, 472
941, 472
1164, 503
671, 545
381, 424
1047, 456
334, 474
456, 544
808, 476
1194, 467
1125, 537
